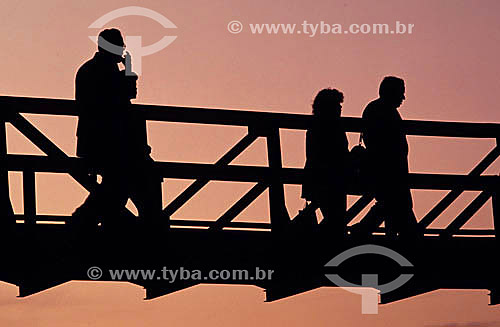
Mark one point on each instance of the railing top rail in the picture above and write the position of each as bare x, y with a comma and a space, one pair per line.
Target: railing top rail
253, 174
259, 119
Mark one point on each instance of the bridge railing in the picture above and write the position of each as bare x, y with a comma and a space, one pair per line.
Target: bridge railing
259, 124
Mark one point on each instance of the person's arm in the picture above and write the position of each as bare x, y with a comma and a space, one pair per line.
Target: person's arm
310, 151
88, 90
378, 134
307, 192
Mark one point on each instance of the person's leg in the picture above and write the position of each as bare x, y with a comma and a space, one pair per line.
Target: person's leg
386, 205
146, 193
147, 197
86, 217
407, 222
333, 208
400, 218
112, 196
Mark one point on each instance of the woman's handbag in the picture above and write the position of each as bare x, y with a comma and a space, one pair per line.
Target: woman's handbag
305, 221
357, 169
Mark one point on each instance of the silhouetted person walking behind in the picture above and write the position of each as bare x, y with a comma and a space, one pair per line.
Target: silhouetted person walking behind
326, 153
112, 138
387, 150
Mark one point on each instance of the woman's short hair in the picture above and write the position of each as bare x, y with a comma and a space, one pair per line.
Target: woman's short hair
325, 98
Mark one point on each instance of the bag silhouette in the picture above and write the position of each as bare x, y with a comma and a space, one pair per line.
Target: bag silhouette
304, 225
306, 220
357, 170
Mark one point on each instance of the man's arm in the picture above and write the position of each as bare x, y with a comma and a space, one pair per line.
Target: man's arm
381, 134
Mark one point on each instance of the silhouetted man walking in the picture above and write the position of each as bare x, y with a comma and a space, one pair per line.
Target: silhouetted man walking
387, 150
112, 138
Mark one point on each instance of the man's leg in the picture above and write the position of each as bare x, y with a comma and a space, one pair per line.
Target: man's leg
399, 208
386, 205
113, 194
87, 216
333, 208
146, 193
408, 227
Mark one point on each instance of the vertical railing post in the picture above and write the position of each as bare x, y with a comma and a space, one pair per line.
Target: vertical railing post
6, 213
495, 198
29, 197
495, 202
278, 212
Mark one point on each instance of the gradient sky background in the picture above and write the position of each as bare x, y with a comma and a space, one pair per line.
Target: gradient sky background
450, 66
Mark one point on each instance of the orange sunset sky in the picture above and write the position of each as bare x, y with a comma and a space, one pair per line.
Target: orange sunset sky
449, 63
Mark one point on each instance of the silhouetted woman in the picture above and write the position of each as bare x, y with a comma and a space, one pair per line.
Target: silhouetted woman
326, 153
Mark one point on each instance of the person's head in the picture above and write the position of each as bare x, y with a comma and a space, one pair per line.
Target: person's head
392, 90
328, 102
110, 43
